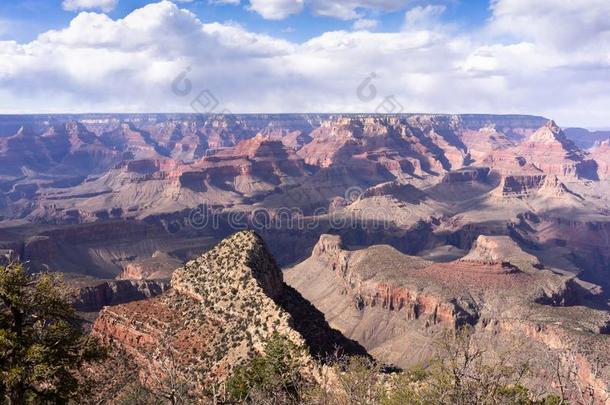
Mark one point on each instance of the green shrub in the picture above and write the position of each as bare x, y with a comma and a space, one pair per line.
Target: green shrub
277, 371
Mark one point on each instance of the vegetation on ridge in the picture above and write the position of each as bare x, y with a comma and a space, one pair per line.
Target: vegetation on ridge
460, 374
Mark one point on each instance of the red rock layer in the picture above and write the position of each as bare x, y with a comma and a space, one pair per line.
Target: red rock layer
601, 154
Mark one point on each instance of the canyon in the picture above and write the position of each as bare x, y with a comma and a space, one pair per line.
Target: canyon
391, 229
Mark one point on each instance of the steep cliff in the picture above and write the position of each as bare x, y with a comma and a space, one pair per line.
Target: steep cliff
95, 297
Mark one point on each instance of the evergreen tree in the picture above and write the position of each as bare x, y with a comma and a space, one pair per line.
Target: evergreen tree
41, 343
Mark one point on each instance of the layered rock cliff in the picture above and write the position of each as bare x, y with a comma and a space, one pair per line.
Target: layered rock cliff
107, 293
601, 154
395, 305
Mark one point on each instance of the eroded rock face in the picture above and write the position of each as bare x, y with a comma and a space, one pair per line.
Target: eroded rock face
255, 165
218, 314
379, 145
354, 276
159, 266
601, 154
587, 240
94, 298
466, 175
521, 186
553, 153
389, 302
7, 256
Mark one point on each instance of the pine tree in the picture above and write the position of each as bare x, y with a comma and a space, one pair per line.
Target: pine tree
41, 343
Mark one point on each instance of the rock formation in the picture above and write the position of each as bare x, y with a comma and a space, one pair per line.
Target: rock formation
220, 310
395, 304
601, 154
553, 153
428, 208
95, 297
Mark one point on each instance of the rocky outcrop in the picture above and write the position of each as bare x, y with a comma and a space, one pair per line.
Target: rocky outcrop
382, 292
159, 266
402, 192
221, 309
152, 169
601, 154
115, 292
466, 175
8, 256
498, 249
553, 153
386, 145
526, 186
389, 302
255, 165
553, 187
520, 185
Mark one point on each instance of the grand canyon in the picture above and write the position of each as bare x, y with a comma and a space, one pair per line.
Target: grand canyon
304, 202
375, 233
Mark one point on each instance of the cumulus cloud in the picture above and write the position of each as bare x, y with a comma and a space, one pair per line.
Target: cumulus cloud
101, 64
555, 23
276, 9
365, 24
423, 15
344, 9
349, 9
75, 5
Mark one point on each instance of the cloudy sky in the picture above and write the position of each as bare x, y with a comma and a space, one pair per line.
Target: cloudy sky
544, 57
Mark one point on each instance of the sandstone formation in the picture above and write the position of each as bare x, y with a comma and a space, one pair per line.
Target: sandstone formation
601, 154
93, 298
395, 305
550, 151
221, 308
159, 266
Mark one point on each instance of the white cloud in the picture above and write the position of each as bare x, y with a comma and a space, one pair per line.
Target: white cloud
365, 24
344, 9
423, 15
75, 5
560, 24
276, 9
101, 64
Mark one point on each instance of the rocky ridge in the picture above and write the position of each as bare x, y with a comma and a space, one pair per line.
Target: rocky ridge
395, 305
220, 310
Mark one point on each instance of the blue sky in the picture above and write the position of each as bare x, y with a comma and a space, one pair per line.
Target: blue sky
548, 57
28, 18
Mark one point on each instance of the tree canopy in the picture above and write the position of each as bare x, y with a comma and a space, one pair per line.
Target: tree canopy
41, 342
